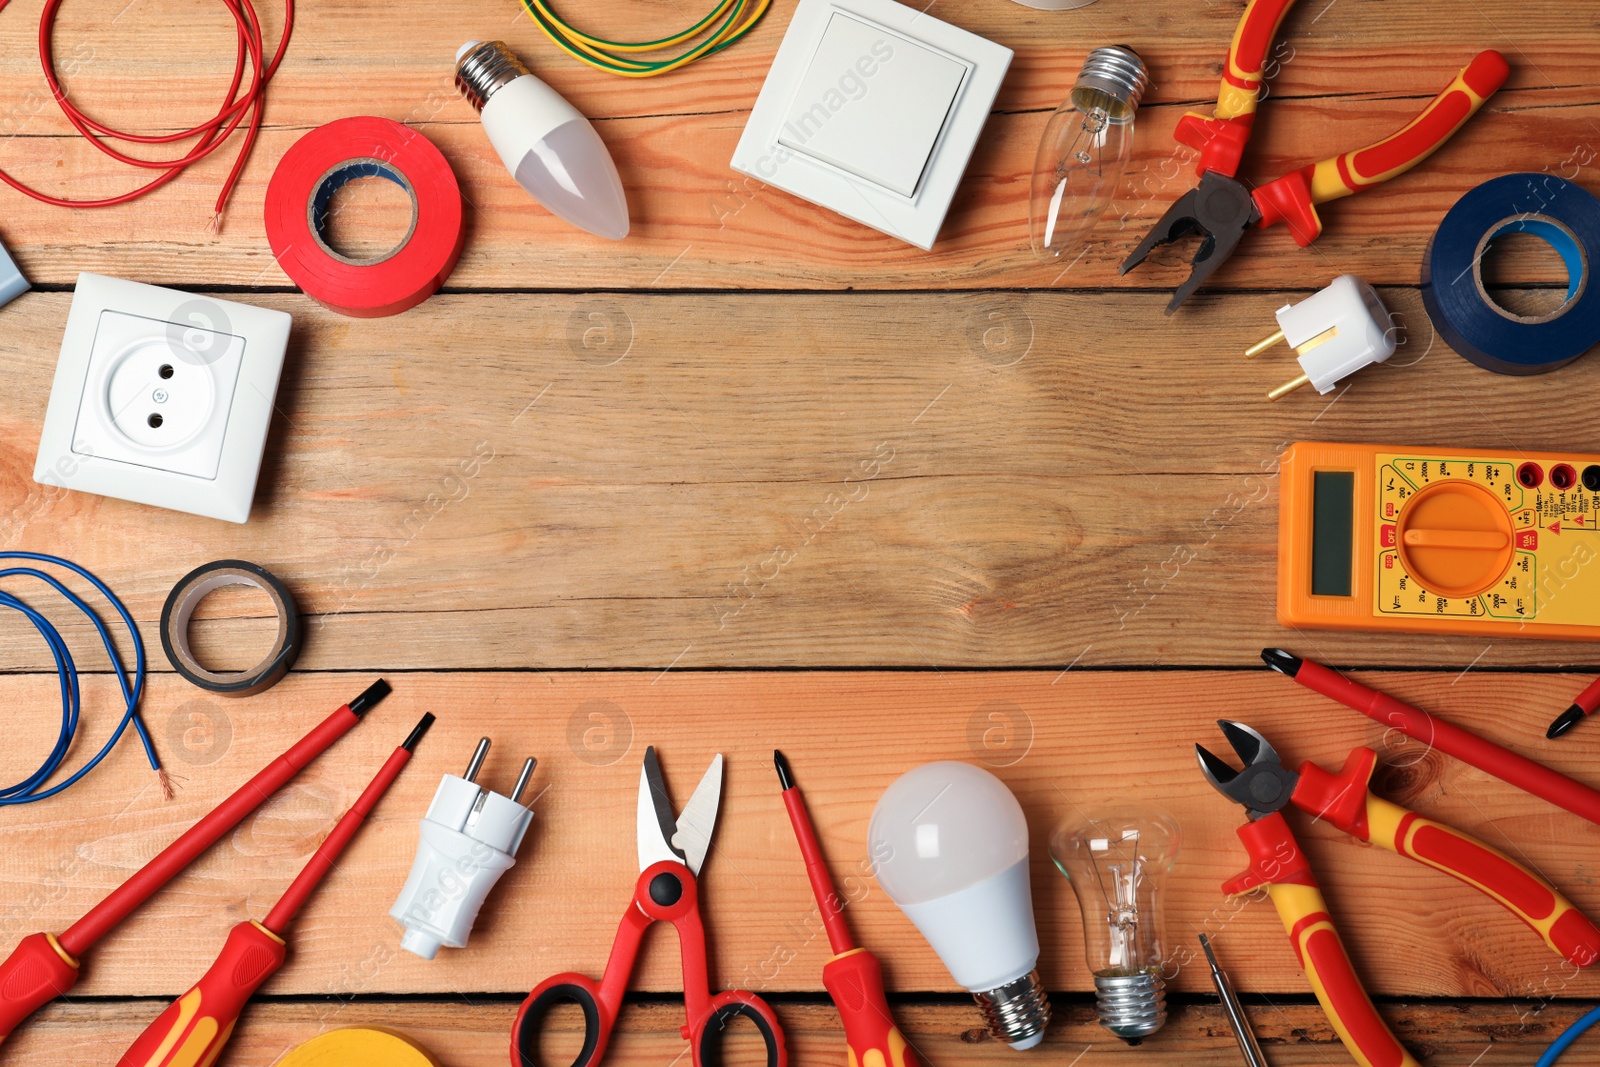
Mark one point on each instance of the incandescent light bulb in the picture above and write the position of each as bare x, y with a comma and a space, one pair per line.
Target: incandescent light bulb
1118, 866
949, 844
1085, 148
548, 146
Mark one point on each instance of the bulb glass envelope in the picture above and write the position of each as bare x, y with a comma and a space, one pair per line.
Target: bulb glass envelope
872, 109
949, 844
1117, 864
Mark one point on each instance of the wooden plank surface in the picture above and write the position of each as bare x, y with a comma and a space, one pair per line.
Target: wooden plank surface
1067, 743
1343, 74
920, 480
473, 1034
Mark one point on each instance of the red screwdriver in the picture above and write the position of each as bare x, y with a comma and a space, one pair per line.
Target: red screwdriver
854, 977
198, 1024
44, 966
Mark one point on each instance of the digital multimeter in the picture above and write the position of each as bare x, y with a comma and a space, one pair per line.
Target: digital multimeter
1457, 541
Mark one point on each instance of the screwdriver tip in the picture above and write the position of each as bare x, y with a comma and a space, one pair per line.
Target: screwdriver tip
785, 776
1281, 661
410, 743
370, 696
1564, 722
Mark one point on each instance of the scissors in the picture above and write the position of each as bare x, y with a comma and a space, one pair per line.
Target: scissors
672, 849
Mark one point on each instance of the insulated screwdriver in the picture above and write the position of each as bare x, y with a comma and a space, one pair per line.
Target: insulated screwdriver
196, 1026
853, 977
44, 966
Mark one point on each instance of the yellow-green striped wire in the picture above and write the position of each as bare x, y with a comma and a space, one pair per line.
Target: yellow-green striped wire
737, 17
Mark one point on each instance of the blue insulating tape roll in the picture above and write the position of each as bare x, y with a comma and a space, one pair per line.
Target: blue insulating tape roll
1565, 215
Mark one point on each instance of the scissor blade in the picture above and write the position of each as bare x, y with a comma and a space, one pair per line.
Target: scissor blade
699, 818
656, 824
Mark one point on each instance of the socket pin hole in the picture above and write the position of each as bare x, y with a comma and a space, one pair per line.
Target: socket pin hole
155, 419
165, 371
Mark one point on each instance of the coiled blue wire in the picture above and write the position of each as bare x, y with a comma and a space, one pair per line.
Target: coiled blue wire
31, 788
1568, 1036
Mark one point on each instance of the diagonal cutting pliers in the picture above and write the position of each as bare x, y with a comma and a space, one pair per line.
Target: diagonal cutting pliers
1265, 787
1222, 207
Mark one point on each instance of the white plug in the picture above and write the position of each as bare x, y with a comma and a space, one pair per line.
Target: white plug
469, 838
1335, 333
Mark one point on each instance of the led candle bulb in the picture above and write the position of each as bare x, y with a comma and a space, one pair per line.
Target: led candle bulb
949, 845
1117, 864
548, 146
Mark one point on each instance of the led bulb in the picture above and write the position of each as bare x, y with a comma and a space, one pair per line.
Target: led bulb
949, 844
1084, 151
1118, 864
548, 146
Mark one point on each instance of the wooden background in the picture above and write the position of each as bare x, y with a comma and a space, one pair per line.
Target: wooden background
1062, 566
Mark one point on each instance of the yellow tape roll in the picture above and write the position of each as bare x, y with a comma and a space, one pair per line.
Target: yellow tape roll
359, 1048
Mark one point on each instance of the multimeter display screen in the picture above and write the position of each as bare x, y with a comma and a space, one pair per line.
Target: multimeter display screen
1332, 532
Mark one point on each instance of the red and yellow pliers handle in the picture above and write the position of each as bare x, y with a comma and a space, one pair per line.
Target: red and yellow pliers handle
1220, 137
1344, 801
1277, 863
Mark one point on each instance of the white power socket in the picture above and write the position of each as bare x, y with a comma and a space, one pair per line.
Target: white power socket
162, 397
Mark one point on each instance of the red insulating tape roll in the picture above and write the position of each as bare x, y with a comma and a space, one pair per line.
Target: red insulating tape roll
328, 157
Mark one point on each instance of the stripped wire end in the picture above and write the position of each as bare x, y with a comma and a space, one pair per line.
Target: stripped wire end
167, 792
216, 223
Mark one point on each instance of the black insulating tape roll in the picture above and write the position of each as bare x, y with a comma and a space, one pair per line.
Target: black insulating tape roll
1565, 215
195, 587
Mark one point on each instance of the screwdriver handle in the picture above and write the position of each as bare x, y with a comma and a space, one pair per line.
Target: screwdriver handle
854, 980
1291, 199
196, 1026
37, 972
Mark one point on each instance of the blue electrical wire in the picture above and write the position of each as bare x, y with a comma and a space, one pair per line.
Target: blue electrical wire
31, 788
1568, 1036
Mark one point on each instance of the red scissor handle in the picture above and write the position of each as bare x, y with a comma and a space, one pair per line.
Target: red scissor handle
665, 892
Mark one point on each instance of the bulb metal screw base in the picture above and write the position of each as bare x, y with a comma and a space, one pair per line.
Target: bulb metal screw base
1115, 78
483, 67
1017, 1012
1132, 1006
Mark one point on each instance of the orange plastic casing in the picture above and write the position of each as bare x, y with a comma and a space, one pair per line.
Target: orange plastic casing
1523, 561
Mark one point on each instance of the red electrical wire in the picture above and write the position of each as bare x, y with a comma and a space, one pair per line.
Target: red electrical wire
211, 134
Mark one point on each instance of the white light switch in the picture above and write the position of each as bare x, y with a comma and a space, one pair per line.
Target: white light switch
872, 108
873, 103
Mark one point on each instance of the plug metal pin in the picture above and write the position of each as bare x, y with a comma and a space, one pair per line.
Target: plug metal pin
478, 757
523, 779
1262, 345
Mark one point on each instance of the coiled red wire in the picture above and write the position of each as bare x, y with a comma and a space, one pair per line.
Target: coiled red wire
211, 134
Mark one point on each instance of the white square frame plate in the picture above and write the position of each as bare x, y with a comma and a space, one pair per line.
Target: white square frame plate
819, 178
234, 352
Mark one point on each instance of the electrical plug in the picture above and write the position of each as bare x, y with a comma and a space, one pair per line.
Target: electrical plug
1335, 333
469, 838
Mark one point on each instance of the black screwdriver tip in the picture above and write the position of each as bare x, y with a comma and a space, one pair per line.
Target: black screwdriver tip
1281, 661
785, 776
410, 744
370, 697
1564, 722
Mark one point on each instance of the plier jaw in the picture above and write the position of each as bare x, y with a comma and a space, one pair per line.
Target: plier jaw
1219, 209
1264, 786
